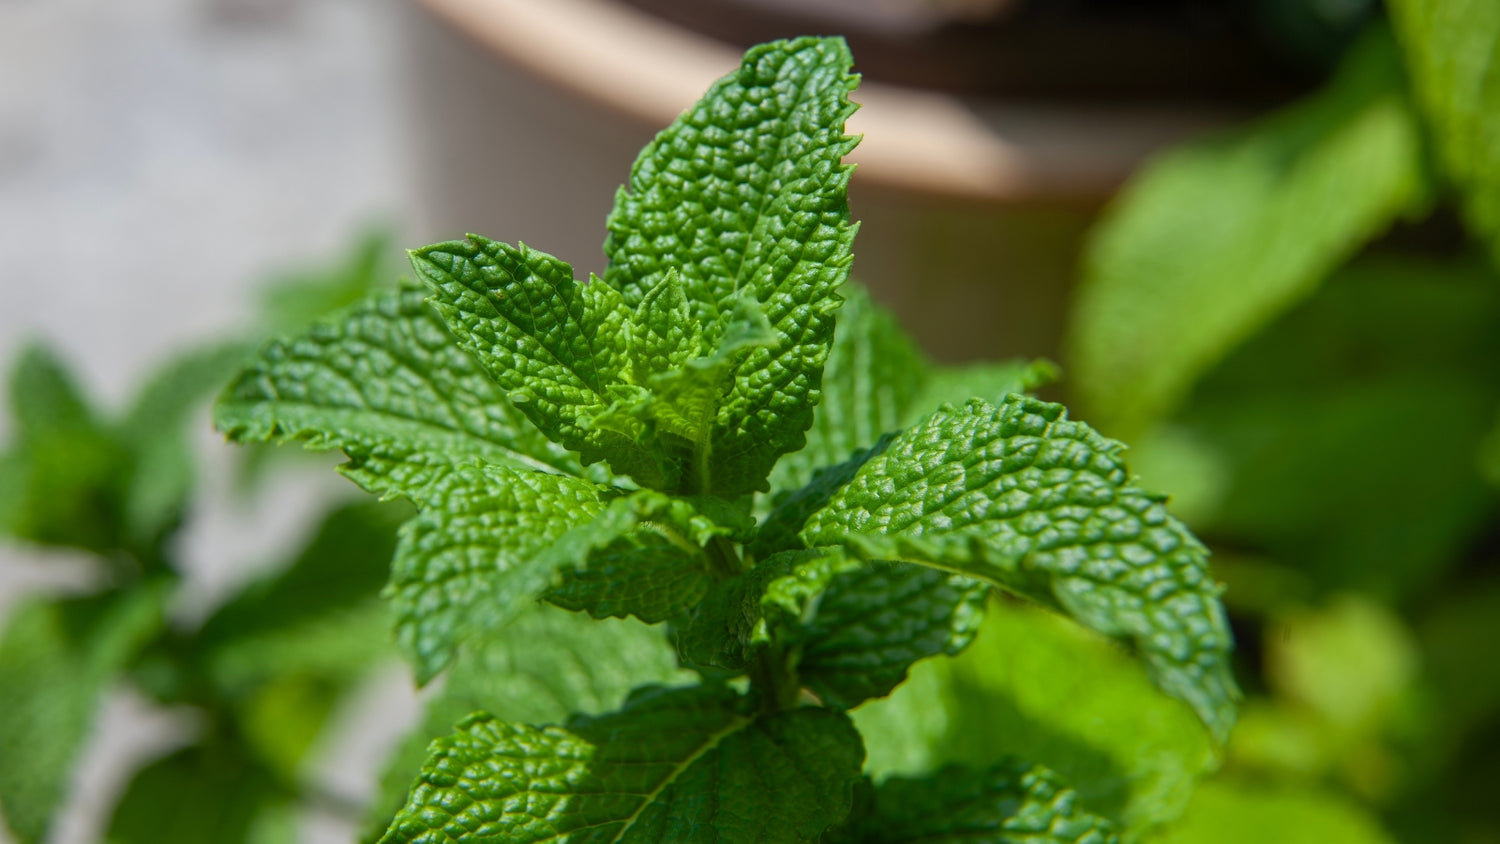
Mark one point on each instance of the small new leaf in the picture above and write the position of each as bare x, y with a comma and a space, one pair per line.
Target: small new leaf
1023, 498
745, 195
680, 766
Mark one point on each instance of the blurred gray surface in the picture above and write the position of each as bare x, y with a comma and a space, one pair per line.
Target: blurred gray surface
158, 160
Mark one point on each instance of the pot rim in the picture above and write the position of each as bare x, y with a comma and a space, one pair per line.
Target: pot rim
922, 142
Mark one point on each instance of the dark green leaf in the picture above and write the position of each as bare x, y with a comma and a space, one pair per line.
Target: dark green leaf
57, 659
1038, 505
673, 766
1012, 802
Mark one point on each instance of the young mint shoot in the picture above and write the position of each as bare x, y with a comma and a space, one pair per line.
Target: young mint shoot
611, 447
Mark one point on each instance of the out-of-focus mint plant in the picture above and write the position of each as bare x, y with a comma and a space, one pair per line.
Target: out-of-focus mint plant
1298, 323
774, 506
261, 674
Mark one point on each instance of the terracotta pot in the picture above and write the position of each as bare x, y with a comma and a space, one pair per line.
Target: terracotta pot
529, 114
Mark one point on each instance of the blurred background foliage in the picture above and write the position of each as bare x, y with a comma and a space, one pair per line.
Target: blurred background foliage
1295, 324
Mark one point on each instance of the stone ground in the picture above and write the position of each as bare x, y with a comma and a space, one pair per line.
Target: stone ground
158, 159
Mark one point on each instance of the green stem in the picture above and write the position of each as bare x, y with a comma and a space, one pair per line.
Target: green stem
723, 560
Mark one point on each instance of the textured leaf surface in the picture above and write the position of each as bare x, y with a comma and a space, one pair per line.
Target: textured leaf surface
679, 766
386, 383
735, 620
745, 195
1212, 241
878, 382
57, 659
472, 557
541, 668
1450, 48
1012, 802
642, 556
554, 346
1023, 498
872, 623
1036, 686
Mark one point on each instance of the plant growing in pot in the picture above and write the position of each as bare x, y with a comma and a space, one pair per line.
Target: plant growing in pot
720, 449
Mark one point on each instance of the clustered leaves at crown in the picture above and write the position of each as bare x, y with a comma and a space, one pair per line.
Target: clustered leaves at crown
600, 446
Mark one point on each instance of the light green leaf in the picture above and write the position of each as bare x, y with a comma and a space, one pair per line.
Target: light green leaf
1038, 505
1227, 813
1011, 802
554, 346
674, 765
872, 623
320, 615
745, 195
1213, 240
204, 793
472, 558
1036, 686
1450, 48
57, 659
386, 383
544, 666
61, 483
683, 402
642, 556
155, 430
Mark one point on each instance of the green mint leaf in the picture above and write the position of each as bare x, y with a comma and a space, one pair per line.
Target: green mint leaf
1231, 813
782, 526
683, 402
320, 616
1011, 802
61, 483
878, 382
1450, 55
541, 668
874, 375
554, 346
57, 660
386, 383
745, 195
872, 623
733, 622
1212, 241
474, 555
1037, 686
675, 765
154, 429
1029, 501
642, 556
204, 793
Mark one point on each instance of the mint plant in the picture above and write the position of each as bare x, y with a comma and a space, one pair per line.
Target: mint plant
704, 438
